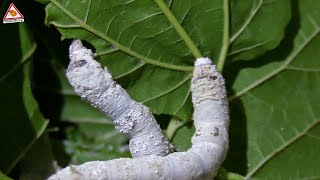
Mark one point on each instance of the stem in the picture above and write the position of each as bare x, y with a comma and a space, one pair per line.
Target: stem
183, 34
174, 124
225, 41
223, 174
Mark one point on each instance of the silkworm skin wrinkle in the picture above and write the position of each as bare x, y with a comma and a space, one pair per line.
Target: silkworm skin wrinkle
95, 85
200, 162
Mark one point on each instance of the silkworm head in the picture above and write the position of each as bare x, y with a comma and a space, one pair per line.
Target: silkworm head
79, 52
207, 81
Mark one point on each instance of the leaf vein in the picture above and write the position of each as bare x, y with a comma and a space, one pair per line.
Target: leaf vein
109, 24
313, 22
129, 72
149, 16
247, 22
259, 151
281, 148
213, 9
135, 37
169, 90
302, 69
68, 2
160, 32
108, 51
88, 10
183, 102
281, 137
237, 51
184, 16
270, 75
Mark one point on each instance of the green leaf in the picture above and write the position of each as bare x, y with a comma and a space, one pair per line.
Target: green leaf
38, 163
22, 123
257, 26
92, 141
128, 35
278, 105
139, 40
4, 177
182, 138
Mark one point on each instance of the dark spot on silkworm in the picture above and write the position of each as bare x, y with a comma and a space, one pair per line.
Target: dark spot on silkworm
213, 77
216, 133
76, 64
202, 72
198, 78
81, 63
194, 80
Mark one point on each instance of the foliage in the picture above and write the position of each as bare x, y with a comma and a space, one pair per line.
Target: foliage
21, 122
270, 48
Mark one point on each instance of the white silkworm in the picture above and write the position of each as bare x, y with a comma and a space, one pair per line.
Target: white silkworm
209, 143
95, 85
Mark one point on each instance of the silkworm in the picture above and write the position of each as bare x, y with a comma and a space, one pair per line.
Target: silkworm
211, 121
95, 85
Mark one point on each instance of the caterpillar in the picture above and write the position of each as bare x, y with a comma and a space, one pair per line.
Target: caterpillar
211, 121
95, 85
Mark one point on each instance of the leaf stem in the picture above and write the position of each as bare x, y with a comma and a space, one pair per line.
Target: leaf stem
223, 174
118, 45
225, 40
173, 126
183, 34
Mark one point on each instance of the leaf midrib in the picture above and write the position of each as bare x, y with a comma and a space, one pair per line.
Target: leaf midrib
180, 30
